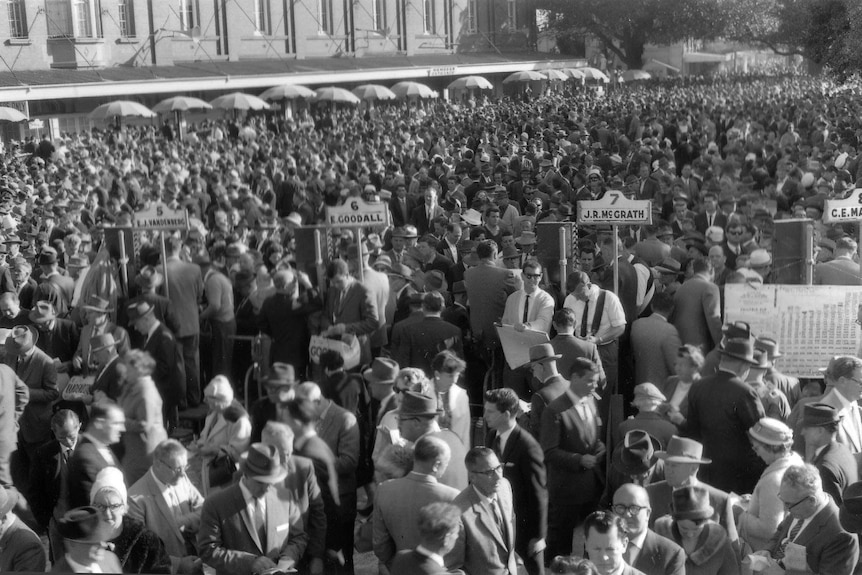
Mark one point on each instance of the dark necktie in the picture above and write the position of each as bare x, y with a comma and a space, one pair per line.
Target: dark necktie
584, 319
526, 308
782, 549
445, 417
498, 447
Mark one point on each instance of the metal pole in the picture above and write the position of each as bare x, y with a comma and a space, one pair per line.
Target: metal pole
124, 261
563, 260
359, 254
616, 259
164, 263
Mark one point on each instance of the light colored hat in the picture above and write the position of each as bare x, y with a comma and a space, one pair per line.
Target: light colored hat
715, 234
219, 387
109, 478
771, 432
648, 391
759, 257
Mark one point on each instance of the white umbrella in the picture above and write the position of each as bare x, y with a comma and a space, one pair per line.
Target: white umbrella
11, 115
594, 74
371, 92
121, 109
555, 75
239, 101
181, 104
288, 92
413, 90
471, 83
574, 73
336, 95
524, 76
633, 75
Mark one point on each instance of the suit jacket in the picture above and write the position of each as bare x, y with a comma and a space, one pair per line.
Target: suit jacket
377, 284
22, 549
357, 310
420, 342
262, 410
566, 438
419, 218
487, 289
661, 500
524, 468
396, 513
170, 373
110, 563
721, 410
655, 343
228, 541
38, 372
61, 341
339, 429
45, 472
572, 348
300, 487
14, 397
660, 556
185, 285
288, 329
148, 505
399, 218
828, 548
701, 223
110, 379
85, 463
487, 549
145, 428
551, 389
849, 428
697, 316
65, 284
838, 272
838, 469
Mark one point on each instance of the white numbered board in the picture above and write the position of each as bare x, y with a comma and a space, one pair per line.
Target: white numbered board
810, 323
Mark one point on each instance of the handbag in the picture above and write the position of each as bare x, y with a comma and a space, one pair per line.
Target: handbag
350, 349
221, 470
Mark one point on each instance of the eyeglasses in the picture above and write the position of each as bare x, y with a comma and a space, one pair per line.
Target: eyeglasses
176, 470
855, 380
734, 232
627, 509
112, 507
533, 276
789, 506
491, 472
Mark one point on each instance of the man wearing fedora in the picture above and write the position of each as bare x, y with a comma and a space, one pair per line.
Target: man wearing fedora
97, 324
399, 502
148, 280
21, 548
85, 540
104, 362
524, 468
61, 287
845, 374
655, 343
682, 460
543, 368
284, 318
574, 456
722, 408
786, 384
249, 528
647, 551
835, 462
58, 337
279, 387
810, 539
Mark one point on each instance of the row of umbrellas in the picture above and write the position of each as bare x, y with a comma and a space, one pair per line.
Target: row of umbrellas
366, 92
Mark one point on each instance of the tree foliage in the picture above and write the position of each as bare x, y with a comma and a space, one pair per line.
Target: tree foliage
626, 26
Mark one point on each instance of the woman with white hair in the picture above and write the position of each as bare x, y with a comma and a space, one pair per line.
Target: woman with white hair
138, 549
142, 406
225, 437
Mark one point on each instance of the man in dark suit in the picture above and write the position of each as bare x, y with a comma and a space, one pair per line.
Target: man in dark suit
185, 287
109, 377
420, 342
834, 461
284, 318
682, 460
439, 524
400, 206
710, 216
721, 410
61, 287
279, 384
574, 457
487, 516
488, 287
339, 429
697, 309
34, 368
93, 450
647, 551
11, 312
300, 486
812, 524
58, 337
160, 343
249, 528
22, 549
655, 343
524, 468
570, 348
423, 216
350, 308
49, 470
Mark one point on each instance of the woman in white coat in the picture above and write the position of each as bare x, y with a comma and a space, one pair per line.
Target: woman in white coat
225, 437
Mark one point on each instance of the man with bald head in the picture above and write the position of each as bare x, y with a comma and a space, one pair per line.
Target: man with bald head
283, 317
647, 551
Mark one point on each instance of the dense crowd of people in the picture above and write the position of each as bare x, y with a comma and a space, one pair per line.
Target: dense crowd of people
344, 390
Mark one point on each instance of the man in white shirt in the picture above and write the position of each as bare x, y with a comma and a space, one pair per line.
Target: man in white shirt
603, 330
530, 308
168, 504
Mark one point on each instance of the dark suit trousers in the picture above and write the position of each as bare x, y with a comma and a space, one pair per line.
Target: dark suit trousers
518, 380
191, 360
535, 564
563, 518
222, 347
340, 537
609, 354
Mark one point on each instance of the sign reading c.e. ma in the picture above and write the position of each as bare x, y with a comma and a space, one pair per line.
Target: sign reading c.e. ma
614, 208
847, 210
160, 217
357, 212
